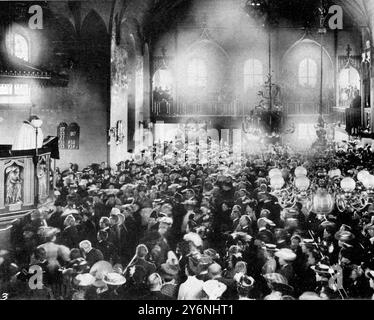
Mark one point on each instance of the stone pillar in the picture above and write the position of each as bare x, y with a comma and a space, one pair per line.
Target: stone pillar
370, 14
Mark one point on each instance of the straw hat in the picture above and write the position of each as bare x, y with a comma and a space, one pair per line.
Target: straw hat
286, 254
114, 279
99, 270
85, 279
344, 236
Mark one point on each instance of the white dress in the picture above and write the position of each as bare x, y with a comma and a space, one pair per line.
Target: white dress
191, 289
26, 138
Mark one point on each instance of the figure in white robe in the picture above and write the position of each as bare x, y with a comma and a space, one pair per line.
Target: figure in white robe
26, 138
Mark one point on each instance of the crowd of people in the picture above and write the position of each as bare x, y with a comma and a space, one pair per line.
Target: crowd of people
160, 230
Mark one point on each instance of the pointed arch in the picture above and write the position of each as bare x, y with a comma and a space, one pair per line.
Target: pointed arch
93, 26
205, 42
302, 41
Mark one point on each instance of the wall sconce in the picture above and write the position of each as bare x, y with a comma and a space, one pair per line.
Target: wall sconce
117, 132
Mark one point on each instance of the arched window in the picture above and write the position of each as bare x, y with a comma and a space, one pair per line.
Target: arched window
163, 79
349, 86
308, 73
253, 74
18, 46
197, 74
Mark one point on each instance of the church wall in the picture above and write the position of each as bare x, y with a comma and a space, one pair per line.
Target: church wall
249, 41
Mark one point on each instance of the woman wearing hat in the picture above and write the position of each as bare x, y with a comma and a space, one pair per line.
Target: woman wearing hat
70, 236
245, 286
114, 290
285, 259
55, 253
83, 283
170, 276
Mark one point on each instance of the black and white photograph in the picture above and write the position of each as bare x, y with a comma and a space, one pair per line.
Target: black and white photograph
187, 150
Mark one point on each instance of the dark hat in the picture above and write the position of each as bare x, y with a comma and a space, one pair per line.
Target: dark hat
170, 269
79, 264
322, 269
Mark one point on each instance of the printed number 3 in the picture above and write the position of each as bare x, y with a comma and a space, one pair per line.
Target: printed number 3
4, 296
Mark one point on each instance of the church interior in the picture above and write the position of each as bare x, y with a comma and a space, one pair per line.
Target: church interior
132, 74
111, 82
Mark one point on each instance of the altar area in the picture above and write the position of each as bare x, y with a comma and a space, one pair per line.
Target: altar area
25, 182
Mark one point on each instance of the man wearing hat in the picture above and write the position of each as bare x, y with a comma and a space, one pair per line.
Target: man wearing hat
323, 276
114, 282
270, 264
264, 234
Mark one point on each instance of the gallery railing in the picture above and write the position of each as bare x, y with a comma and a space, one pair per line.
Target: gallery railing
234, 108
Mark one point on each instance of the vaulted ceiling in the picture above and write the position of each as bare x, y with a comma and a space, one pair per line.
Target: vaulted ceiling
155, 16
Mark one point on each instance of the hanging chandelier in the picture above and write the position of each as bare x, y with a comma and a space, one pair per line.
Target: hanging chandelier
325, 191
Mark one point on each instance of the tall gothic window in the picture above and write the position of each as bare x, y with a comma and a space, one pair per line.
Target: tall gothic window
308, 73
16, 93
197, 74
18, 46
253, 74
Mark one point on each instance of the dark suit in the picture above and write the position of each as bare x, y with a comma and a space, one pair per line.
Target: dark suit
149, 267
94, 256
108, 250
70, 237
87, 231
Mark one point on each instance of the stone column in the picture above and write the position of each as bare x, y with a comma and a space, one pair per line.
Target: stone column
370, 14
